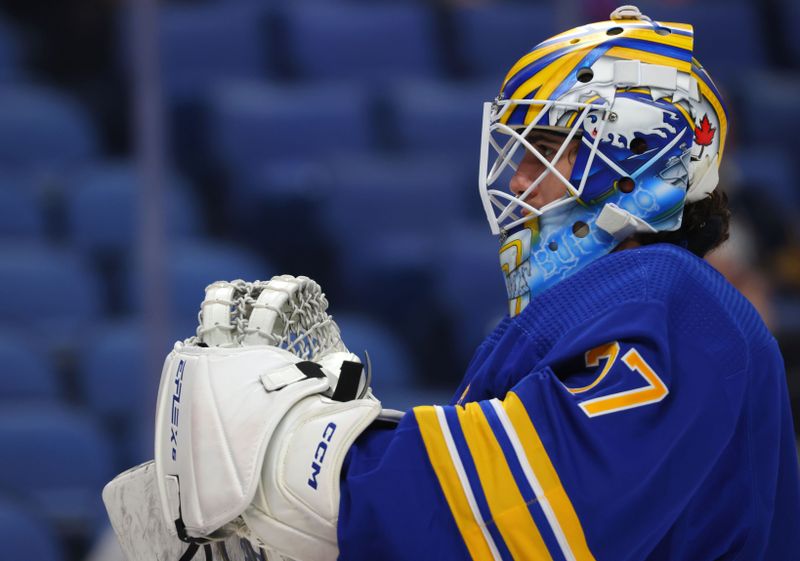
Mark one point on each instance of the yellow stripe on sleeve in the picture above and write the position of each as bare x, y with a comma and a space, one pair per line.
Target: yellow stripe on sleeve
449, 481
509, 511
548, 478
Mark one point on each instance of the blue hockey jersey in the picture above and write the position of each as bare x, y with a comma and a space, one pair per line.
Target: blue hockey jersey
635, 411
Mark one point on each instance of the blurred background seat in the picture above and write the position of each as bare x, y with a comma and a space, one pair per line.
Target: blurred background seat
190, 267
360, 41
22, 216
471, 291
52, 293
437, 118
24, 536
386, 219
207, 44
11, 53
44, 127
375, 197
113, 384
102, 208
769, 115
25, 372
58, 461
490, 37
394, 365
771, 173
254, 122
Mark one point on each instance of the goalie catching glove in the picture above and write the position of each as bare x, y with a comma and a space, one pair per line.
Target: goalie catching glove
254, 432
254, 419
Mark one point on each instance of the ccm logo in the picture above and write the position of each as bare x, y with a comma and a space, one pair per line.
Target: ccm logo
319, 454
176, 408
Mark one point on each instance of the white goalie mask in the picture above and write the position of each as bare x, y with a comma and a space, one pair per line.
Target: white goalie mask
644, 128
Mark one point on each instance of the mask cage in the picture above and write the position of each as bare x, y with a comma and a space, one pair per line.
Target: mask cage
501, 155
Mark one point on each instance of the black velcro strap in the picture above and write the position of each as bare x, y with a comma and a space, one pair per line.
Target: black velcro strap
349, 379
181, 529
190, 551
310, 369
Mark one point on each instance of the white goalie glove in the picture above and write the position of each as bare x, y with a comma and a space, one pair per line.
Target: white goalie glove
255, 416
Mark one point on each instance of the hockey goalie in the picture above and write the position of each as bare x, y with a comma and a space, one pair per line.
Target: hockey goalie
632, 405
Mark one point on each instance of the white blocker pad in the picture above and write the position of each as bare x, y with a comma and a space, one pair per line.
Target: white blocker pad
134, 509
217, 409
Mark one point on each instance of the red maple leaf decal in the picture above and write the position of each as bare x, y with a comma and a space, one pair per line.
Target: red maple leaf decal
704, 134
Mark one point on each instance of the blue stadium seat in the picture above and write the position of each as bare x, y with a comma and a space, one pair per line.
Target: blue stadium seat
203, 45
57, 460
280, 198
21, 213
111, 370
43, 127
375, 197
788, 28
103, 208
368, 41
251, 123
49, 291
771, 172
768, 113
788, 314
491, 37
24, 536
116, 386
386, 216
11, 52
191, 266
296, 179
438, 118
25, 373
393, 367
470, 286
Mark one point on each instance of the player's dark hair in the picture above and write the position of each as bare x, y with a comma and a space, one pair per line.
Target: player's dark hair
705, 225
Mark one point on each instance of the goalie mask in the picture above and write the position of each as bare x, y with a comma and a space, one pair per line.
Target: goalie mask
636, 116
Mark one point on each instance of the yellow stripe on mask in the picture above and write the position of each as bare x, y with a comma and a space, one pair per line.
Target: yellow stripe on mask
554, 72
672, 39
585, 44
552, 77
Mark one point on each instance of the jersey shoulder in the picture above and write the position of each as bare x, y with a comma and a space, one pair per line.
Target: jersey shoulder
693, 289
